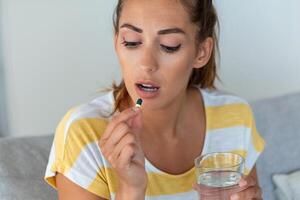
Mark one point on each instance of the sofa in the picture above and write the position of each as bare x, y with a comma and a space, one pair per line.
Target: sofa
23, 160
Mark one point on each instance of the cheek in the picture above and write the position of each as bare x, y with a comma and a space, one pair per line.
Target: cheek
125, 62
179, 75
177, 68
126, 55
128, 76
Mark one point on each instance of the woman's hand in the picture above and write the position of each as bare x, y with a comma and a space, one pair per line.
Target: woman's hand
121, 146
247, 189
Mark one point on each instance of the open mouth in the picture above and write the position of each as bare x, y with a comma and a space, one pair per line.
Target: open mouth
147, 87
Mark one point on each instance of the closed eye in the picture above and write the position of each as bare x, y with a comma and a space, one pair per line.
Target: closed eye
169, 49
130, 44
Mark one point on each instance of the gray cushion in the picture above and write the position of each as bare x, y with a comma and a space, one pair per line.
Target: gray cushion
22, 167
282, 189
278, 121
287, 185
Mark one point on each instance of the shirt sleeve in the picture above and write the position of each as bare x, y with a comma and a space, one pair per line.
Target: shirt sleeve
76, 155
255, 144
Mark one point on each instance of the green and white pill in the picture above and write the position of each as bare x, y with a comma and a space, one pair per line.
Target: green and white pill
139, 102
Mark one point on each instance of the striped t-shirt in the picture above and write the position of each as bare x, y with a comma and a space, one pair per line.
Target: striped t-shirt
230, 127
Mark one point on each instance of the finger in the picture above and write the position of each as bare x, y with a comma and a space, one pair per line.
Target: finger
195, 187
247, 181
136, 125
213, 190
205, 193
126, 156
126, 140
122, 117
253, 192
206, 189
135, 121
243, 183
119, 132
216, 197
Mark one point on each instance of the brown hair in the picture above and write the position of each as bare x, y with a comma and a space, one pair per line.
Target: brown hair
204, 15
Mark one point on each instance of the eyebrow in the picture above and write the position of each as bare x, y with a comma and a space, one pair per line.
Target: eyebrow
161, 32
129, 26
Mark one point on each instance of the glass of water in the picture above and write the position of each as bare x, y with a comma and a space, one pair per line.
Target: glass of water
218, 172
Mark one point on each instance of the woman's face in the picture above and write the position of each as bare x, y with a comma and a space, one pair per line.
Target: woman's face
156, 50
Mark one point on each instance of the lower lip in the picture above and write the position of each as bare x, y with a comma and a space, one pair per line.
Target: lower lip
146, 95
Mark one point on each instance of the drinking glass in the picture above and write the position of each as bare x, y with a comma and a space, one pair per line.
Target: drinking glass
217, 172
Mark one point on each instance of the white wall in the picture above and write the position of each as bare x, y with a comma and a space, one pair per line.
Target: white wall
57, 54
3, 109
260, 47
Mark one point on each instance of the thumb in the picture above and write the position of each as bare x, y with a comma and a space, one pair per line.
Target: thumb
135, 122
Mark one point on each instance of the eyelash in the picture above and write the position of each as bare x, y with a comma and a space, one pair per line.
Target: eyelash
168, 49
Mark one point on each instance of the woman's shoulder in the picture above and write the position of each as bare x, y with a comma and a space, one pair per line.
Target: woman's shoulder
99, 107
225, 109
218, 97
90, 118
76, 143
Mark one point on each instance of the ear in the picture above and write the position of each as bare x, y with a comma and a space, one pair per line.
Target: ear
204, 52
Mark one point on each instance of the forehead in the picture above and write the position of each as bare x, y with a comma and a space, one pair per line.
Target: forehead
156, 14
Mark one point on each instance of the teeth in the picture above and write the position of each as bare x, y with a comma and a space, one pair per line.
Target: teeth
147, 88
150, 89
146, 85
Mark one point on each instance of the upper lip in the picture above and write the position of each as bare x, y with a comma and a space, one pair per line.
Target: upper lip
148, 82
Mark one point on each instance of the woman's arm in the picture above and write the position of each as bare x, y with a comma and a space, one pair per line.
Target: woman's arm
253, 174
69, 190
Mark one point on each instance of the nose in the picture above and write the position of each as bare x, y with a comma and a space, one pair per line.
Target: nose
148, 61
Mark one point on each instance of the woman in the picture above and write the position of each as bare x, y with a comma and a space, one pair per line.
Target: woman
109, 149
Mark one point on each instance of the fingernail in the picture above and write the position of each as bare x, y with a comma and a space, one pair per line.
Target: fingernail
242, 183
136, 108
234, 197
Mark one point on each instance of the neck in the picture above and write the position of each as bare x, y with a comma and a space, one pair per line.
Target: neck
169, 122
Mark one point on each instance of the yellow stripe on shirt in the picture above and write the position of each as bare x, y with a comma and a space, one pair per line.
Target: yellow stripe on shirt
59, 139
82, 132
258, 141
228, 116
165, 184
